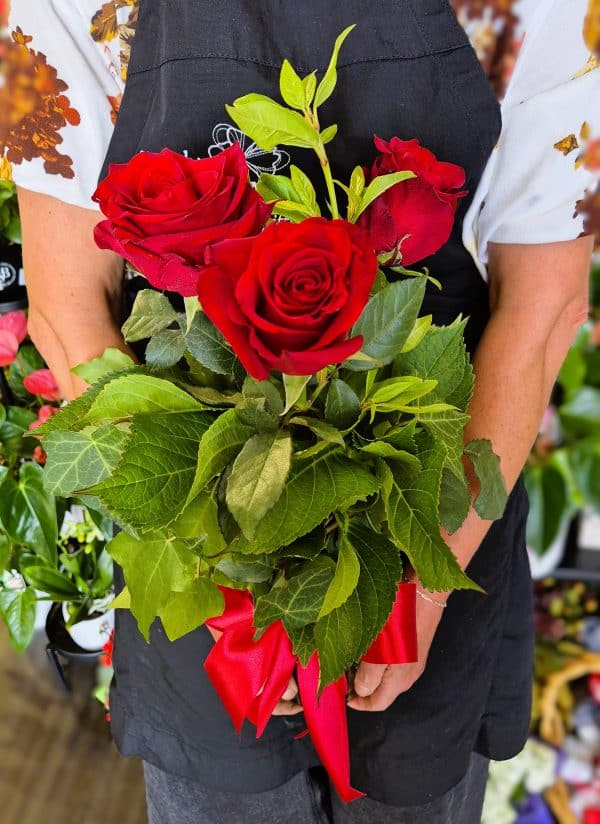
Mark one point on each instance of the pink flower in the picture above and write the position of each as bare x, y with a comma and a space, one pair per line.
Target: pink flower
45, 413
9, 346
41, 382
39, 456
15, 322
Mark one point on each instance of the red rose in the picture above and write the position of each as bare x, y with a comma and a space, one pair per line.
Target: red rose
165, 209
287, 299
416, 215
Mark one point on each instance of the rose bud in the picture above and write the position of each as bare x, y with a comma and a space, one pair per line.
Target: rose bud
165, 209
287, 299
414, 218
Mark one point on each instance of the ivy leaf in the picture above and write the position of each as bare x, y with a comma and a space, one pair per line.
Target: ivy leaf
491, 501
113, 360
28, 512
165, 348
147, 493
342, 407
441, 356
291, 86
151, 312
257, 479
316, 488
208, 346
387, 321
412, 506
345, 634
298, 602
345, 579
186, 611
268, 124
129, 395
77, 460
303, 641
153, 568
328, 83
220, 444
17, 608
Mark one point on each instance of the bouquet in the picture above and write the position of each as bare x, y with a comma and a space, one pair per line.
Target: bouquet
295, 435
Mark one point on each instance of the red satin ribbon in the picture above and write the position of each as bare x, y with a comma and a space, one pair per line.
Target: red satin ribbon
251, 676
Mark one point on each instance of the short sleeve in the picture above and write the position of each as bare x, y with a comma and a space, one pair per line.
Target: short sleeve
62, 88
534, 187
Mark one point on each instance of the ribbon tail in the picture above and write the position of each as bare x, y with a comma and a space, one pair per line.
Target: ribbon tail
328, 727
397, 641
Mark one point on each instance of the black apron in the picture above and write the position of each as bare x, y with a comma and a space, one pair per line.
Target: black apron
407, 70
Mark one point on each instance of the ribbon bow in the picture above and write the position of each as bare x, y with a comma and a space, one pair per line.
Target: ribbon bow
251, 676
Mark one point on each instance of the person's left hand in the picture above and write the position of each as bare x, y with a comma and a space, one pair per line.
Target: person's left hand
378, 685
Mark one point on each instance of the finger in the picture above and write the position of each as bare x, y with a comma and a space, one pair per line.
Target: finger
287, 708
291, 691
396, 680
368, 678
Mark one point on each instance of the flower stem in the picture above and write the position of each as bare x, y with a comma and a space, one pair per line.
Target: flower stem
326, 166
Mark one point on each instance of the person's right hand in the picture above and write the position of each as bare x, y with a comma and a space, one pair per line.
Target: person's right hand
288, 705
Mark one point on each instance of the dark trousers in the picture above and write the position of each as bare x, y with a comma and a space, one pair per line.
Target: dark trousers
305, 799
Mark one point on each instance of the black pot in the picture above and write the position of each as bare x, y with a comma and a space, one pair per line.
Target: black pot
13, 294
62, 649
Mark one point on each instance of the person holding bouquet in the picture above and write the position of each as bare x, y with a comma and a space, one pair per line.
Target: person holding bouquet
421, 733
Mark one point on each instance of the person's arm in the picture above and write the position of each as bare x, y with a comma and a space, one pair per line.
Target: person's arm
74, 288
539, 298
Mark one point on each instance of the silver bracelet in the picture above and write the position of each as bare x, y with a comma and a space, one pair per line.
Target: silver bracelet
431, 600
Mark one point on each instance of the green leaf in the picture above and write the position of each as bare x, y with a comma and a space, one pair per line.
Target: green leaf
186, 611
131, 395
448, 428
200, 521
276, 187
385, 450
402, 437
165, 348
220, 444
379, 186
192, 307
455, 500
309, 84
122, 601
5, 551
249, 572
316, 488
152, 482
572, 373
113, 360
264, 389
548, 505
305, 190
291, 86
412, 503
584, 458
153, 568
342, 407
17, 608
14, 431
268, 124
345, 579
294, 388
258, 477
322, 430
441, 356
255, 413
345, 634
580, 415
208, 346
328, 83
401, 390
29, 360
491, 500
77, 460
328, 134
303, 641
28, 512
151, 312
419, 330
52, 583
387, 321
299, 601
72, 415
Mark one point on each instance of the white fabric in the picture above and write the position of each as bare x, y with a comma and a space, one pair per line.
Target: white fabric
529, 190
92, 71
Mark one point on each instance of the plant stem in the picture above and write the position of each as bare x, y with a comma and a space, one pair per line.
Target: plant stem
326, 166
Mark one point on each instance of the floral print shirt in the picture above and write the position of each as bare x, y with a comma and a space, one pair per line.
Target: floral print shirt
66, 62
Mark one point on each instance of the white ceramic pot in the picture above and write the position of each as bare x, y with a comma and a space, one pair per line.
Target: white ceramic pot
93, 633
544, 565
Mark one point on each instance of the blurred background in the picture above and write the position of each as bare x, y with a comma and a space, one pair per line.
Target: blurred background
57, 763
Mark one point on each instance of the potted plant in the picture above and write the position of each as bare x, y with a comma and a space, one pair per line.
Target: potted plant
563, 473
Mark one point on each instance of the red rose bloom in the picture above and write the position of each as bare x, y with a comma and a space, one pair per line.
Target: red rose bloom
165, 209
416, 215
287, 299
